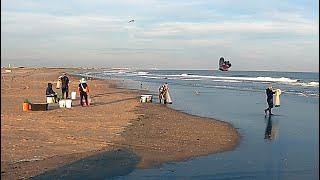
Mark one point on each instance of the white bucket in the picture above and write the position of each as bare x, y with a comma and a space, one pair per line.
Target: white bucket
50, 100
73, 95
58, 84
68, 103
62, 103
277, 101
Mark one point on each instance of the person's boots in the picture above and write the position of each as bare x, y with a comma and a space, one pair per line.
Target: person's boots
270, 112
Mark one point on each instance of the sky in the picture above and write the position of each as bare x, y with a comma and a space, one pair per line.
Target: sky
168, 34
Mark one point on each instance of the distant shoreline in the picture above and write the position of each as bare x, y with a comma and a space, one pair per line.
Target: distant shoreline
116, 121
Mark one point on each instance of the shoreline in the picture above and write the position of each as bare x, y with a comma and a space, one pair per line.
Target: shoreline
117, 85
139, 131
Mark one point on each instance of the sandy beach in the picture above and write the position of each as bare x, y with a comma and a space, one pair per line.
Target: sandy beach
36, 142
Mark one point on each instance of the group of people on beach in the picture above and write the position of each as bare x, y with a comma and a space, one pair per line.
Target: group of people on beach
164, 95
83, 89
63, 84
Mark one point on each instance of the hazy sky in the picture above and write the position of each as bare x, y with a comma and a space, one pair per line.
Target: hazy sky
168, 34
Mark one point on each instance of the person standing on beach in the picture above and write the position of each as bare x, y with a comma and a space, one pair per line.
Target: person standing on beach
65, 85
166, 95
161, 92
269, 92
83, 90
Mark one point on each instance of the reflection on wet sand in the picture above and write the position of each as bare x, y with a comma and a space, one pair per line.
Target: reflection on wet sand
272, 130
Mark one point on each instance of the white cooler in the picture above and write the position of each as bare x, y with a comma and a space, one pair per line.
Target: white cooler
146, 98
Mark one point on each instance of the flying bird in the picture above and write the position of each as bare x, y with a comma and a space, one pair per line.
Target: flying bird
131, 21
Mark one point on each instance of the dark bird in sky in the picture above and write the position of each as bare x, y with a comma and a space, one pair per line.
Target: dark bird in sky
131, 21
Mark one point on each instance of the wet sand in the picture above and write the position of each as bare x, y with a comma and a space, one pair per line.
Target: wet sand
36, 142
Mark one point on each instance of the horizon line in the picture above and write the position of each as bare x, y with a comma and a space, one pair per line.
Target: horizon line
154, 68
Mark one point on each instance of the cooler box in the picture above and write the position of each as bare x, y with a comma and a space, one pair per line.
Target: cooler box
39, 106
146, 98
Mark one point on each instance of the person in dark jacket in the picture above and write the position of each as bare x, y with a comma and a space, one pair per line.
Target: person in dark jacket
50, 92
270, 92
65, 85
83, 91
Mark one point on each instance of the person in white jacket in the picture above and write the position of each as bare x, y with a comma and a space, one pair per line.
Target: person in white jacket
166, 94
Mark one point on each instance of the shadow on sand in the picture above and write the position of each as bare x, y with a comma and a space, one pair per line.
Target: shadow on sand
100, 166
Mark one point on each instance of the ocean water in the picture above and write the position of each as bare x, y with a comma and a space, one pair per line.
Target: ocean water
283, 146
297, 83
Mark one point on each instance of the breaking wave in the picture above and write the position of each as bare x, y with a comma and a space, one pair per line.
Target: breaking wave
240, 78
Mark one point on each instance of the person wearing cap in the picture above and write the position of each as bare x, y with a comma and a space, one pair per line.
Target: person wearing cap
83, 91
269, 92
65, 85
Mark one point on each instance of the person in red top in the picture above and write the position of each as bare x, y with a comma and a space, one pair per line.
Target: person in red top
83, 89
